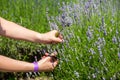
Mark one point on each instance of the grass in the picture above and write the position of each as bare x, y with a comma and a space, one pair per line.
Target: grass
91, 46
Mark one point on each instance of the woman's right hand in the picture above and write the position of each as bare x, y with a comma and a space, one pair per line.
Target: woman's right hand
51, 37
48, 63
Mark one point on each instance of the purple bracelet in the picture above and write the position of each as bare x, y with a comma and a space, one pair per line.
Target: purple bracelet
35, 66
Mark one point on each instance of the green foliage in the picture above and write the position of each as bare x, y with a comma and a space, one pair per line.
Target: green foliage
91, 49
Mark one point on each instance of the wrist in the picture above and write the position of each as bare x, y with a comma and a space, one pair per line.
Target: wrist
39, 38
28, 67
32, 67
36, 67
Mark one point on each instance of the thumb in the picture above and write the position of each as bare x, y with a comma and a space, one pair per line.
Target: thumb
47, 59
55, 63
57, 39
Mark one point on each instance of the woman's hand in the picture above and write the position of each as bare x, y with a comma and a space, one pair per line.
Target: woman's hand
15, 31
47, 63
51, 37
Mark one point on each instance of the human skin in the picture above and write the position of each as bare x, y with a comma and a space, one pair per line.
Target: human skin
12, 30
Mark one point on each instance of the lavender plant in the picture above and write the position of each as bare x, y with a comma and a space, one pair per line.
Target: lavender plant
90, 50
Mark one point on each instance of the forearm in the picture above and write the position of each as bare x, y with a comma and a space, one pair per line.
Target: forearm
11, 65
13, 30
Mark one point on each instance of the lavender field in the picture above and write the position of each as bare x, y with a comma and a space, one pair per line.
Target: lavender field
91, 47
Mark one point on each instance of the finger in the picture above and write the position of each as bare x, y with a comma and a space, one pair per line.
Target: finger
46, 54
57, 40
57, 34
49, 58
53, 54
55, 63
52, 57
60, 36
43, 57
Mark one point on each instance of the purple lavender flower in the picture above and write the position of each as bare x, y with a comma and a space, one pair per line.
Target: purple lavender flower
35, 58
53, 26
67, 21
92, 51
100, 51
118, 54
87, 5
89, 33
114, 39
105, 32
64, 14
